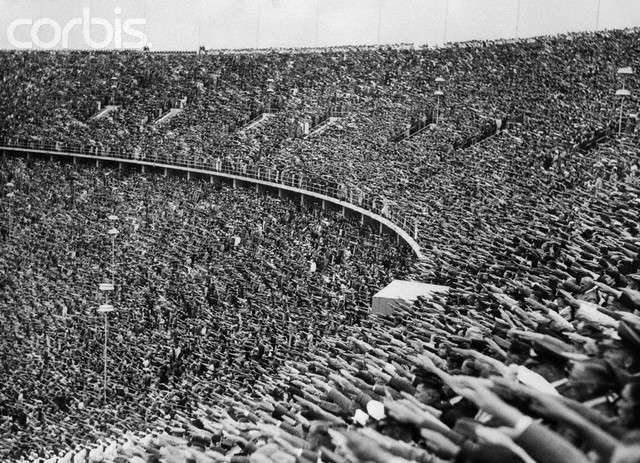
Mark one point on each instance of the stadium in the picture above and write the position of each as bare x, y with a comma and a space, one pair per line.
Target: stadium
238, 239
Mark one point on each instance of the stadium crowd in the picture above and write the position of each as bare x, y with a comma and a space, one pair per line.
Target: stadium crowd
211, 283
533, 355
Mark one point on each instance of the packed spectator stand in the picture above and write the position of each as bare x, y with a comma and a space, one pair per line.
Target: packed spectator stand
525, 194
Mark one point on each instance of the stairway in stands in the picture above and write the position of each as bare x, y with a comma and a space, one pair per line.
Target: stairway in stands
104, 112
166, 117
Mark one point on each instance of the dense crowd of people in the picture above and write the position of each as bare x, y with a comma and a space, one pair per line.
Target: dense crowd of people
533, 355
212, 285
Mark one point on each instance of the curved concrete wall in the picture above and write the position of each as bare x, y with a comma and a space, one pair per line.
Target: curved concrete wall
382, 221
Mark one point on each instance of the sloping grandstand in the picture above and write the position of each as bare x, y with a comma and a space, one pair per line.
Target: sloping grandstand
242, 329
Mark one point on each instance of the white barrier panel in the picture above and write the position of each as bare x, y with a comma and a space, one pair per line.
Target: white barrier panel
400, 290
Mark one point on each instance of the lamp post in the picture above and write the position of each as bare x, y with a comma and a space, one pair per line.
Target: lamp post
73, 188
114, 86
438, 94
113, 232
623, 93
10, 195
270, 92
106, 308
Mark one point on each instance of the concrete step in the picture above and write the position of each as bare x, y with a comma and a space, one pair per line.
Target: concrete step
322, 127
104, 112
256, 122
166, 117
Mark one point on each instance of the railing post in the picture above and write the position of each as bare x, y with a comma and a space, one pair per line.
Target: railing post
301, 199
324, 205
142, 168
166, 172
97, 163
235, 183
280, 193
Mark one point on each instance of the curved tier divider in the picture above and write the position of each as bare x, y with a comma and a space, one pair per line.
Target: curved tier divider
294, 184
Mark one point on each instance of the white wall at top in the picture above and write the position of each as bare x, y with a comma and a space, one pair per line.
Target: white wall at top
184, 24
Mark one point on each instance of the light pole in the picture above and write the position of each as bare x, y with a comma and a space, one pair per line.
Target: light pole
623, 93
438, 94
106, 308
113, 232
114, 86
73, 188
270, 92
10, 195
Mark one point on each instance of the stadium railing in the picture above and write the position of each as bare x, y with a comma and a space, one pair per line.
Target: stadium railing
343, 192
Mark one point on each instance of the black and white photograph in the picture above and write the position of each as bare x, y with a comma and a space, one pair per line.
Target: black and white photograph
319, 231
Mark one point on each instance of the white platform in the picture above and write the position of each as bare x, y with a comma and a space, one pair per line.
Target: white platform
105, 111
324, 126
257, 121
166, 117
400, 290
